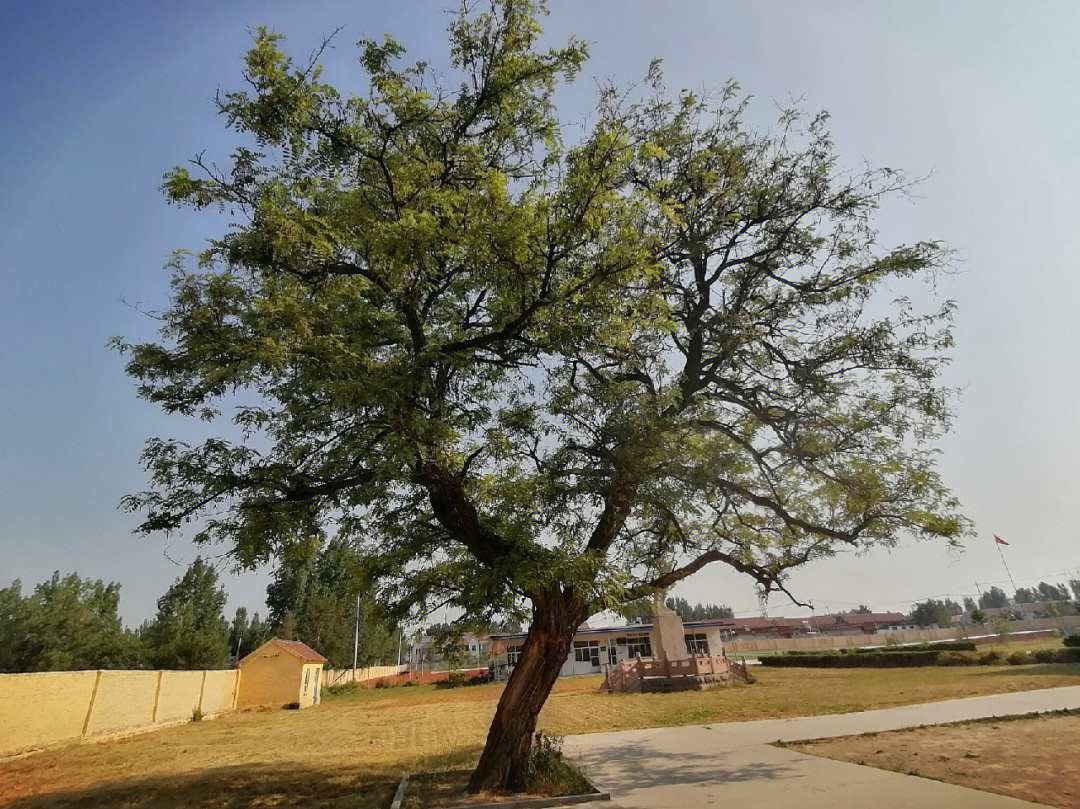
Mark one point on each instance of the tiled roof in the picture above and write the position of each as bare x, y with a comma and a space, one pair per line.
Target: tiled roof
857, 619
303, 651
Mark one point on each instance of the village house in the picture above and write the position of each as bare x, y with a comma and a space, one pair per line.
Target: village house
472, 650
596, 648
854, 623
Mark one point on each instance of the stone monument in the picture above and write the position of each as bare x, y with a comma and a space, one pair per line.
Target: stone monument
668, 637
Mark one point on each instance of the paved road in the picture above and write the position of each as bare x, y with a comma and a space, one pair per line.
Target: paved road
733, 764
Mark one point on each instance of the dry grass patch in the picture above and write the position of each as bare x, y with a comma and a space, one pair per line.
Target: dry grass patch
351, 752
1033, 758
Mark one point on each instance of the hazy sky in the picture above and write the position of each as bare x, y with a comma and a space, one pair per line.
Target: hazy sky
98, 100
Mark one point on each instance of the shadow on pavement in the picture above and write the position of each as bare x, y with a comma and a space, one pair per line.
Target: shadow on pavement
644, 764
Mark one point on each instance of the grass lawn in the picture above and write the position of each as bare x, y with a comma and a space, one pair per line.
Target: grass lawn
1030, 758
350, 751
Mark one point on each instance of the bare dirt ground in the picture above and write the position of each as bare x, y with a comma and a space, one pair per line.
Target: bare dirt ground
350, 752
1035, 759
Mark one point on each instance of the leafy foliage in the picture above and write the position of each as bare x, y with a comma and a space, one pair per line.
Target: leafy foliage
994, 598
66, 624
500, 364
511, 367
189, 631
1025, 595
313, 598
642, 609
246, 636
934, 612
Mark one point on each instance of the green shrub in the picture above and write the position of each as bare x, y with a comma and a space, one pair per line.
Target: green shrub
959, 659
1018, 658
197, 715
337, 691
898, 658
1072, 641
548, 771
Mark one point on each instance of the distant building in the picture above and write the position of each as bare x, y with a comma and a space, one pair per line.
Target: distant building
594, 649
474, 650
856, 623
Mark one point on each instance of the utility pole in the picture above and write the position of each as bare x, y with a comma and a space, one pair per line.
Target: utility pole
356, 635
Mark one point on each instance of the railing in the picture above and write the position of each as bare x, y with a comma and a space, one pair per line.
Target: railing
630, 672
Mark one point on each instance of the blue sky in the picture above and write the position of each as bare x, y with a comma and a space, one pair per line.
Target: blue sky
98, 100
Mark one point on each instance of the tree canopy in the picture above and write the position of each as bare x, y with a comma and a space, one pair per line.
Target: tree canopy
994, 598
313, 598
189, 630
67, 623
642, 609
518, 364
935, 612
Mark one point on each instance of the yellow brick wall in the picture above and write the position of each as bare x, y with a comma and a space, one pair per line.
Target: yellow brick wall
42, 709
219, 691
179, 695
124, 701
340, 676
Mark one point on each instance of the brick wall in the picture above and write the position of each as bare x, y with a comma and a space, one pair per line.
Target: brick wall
42, 709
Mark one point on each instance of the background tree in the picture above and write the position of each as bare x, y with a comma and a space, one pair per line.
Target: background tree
862, 609
313, 598
190, 631
1052, 592
969, 604
66, 624
246, 636
1002, 629
933, 612
994, 598
516, 372
642, 610
1074, 585
978, 617
1025, 595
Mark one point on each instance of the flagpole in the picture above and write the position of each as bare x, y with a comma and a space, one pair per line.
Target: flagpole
998, 546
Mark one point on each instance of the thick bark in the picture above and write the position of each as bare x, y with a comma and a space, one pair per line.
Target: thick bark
502, 764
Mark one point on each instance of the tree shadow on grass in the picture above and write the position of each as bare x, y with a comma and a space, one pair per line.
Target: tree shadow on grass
240, 787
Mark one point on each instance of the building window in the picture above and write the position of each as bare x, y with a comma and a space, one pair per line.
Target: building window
587, 651
307, 678
513, 655
698, 645
638, 646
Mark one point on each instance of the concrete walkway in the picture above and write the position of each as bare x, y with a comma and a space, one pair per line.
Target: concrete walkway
734, 764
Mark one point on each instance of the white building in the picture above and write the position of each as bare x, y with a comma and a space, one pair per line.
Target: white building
593, 650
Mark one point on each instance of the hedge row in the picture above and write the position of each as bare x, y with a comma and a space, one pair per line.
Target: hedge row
902, 658
853, 661
945, 646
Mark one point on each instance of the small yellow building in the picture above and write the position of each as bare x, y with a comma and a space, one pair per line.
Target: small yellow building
280, 672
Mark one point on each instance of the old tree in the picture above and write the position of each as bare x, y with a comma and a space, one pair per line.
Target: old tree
527, 367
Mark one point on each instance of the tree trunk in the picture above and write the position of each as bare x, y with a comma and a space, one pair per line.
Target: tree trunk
502, 764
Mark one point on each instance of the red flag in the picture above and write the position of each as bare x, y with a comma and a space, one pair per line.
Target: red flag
999, 540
